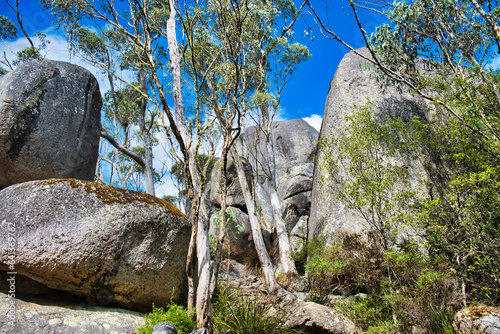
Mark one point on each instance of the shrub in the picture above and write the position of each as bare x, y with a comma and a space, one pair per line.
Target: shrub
244, 315
175, 314
404, 289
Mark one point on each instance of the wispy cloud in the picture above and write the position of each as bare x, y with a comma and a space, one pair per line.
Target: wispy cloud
495, 63
314, 120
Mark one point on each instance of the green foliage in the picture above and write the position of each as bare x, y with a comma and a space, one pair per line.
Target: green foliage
7, 29
123, 104
89, 43
403, 289
178, 316
243, 315
458, 216
364, 167
32, 53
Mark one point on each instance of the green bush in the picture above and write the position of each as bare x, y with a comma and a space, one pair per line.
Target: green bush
177, 315
404, 289
244, 315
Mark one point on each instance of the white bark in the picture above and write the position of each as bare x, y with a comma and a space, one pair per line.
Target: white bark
203, 307
260, 247
287, 264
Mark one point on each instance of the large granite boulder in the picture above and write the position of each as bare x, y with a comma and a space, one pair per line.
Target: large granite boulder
50, 122
234, 195
45, 316
479, 319
85, 239
293, 147
352, 84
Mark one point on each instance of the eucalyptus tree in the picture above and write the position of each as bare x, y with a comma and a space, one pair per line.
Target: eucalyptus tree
231, 44
145, 33
283, 59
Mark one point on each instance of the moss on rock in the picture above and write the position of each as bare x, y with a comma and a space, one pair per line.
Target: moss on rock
111, 195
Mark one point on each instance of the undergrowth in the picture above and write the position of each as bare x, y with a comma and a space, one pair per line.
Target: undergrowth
175, 314
245, 315
403, 290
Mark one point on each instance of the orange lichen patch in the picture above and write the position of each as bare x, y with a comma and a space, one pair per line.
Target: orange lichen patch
478, 312
112, 195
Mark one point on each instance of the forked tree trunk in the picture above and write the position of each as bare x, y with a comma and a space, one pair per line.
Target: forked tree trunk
260, 247
287, 264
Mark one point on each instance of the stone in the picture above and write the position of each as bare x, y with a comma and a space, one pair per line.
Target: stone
353, 84
298, 235
44, 316
50, 122
294, 142
164, 328
92, 240
238, 233
294, 208
312, 317
479, 319
234, 196
294, 147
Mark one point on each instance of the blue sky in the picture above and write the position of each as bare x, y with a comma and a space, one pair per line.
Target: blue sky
303, 97
305, 94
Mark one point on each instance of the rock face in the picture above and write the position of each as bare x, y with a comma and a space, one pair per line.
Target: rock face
351, 85
234, 193
39, 318
314, 318
89, 239
50, 122
478, 319
293, 144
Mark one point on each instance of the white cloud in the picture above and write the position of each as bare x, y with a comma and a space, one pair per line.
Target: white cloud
314, 120
495, 63
57, 49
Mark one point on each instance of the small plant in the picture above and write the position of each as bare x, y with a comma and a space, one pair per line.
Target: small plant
245, 316
182, 319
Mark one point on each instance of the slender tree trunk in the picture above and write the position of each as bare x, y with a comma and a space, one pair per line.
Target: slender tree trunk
146, 137
223, 209
287, 264
260, 247
148, 170
203, 302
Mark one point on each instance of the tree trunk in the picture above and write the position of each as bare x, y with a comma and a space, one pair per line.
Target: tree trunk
203, 302
287, 264
260, 247
146, 137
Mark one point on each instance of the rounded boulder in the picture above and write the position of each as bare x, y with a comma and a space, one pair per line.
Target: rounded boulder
50, 124
91, 240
